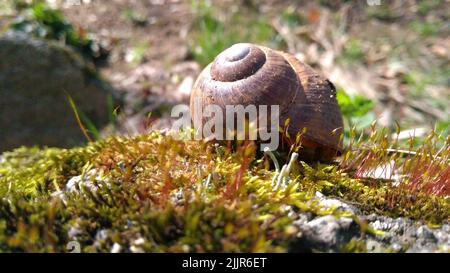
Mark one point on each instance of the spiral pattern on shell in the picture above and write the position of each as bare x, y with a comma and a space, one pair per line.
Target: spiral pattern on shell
248, 74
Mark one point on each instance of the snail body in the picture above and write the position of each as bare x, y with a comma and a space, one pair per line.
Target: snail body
247, 74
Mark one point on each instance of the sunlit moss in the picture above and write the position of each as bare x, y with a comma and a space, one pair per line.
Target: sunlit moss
155, 193
26, 170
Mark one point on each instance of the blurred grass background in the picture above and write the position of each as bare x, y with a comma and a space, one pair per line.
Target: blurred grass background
389, 59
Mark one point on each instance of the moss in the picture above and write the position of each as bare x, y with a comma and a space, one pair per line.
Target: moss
27, 170
355, 246
155, 193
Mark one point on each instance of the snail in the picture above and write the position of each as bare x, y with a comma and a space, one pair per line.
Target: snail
249, 74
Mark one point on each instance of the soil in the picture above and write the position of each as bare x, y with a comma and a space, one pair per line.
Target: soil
158, 32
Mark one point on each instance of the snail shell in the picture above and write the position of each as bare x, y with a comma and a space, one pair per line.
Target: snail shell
248, 74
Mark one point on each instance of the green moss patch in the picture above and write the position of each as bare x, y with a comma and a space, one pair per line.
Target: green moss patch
154, 193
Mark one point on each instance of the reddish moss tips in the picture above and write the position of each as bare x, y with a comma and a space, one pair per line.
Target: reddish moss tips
179, 196
419, 170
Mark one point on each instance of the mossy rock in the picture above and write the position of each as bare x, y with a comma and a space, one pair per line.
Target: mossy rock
36, 78
154, 193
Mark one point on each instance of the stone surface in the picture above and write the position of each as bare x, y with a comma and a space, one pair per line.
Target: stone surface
336, 204
332, 234
405, 235
91, 180
324, 234
35, 78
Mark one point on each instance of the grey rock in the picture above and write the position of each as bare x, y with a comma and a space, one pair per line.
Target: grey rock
330, 234
374, 246
403, 234
423, 249
35, 78
338, 205
90, 180
426, 234
324, 229
302, 220
446, 228
443, 235
325, 234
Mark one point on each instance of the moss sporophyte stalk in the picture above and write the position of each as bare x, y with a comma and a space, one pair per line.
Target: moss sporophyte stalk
192, 196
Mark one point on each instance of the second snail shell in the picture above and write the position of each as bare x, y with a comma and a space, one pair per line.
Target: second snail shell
249, 74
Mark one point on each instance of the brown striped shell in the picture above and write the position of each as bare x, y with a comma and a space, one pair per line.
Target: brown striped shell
248, 74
